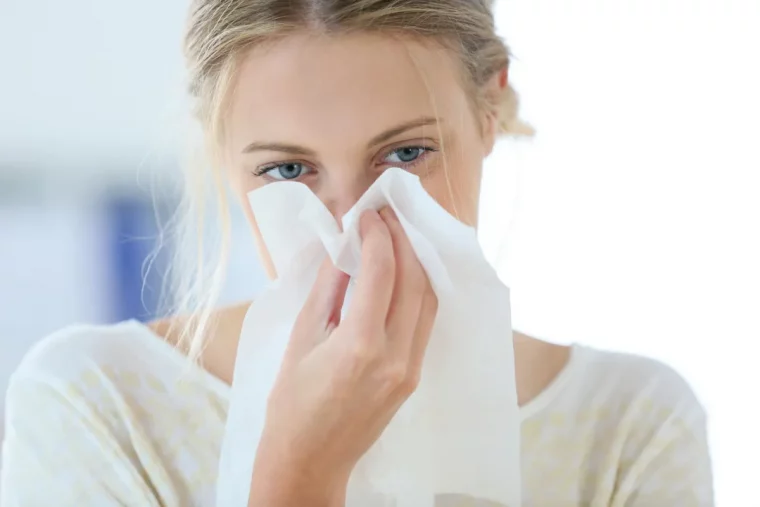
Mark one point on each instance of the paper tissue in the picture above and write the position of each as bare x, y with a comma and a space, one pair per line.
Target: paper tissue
456, 441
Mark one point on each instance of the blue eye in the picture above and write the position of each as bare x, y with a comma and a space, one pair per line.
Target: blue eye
406, 155
282, 172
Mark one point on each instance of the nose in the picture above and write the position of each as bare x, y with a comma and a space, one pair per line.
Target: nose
341, 192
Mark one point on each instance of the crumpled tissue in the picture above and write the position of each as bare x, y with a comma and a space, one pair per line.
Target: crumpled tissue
457, 438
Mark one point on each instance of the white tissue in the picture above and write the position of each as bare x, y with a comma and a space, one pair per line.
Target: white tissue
459, 433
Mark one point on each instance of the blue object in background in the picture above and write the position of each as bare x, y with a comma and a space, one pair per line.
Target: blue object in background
132, 235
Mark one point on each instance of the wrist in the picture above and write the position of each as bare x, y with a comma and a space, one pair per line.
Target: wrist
280, 481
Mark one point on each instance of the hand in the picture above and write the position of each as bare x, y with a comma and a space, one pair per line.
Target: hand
341, 382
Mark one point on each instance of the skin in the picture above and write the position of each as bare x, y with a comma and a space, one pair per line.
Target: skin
295, 110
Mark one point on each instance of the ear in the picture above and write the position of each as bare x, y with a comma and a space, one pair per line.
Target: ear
496, 87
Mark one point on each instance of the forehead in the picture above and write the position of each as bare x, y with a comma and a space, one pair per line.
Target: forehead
307, 87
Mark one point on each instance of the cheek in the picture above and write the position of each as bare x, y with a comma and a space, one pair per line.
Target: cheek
241, 185
264, 257
458, 201
456, 185
242, 181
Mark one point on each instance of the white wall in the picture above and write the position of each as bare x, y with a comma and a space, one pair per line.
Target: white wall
87, 85
52, 274
632, 221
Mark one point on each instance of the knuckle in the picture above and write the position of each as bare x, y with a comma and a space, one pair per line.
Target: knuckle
411, 382
433, 302
362, 353
359, 355
405, 382
396, 375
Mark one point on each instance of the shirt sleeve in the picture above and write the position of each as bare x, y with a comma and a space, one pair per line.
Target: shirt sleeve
672, 465
60, 449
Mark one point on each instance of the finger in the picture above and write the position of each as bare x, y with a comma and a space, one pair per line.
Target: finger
321, 311
374, 284
410, 286
422, 333
413, 364
325, 300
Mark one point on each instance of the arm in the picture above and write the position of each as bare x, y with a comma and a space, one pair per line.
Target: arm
278, 482
274, 486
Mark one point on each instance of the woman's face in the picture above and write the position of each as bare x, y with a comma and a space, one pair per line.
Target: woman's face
335, 112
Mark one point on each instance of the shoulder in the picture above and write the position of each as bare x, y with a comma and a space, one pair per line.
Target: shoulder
123, 357
629, 379
68, 352
623, 391
79, 411
78, 375
93, 366
640, 407
109, 378
646, 418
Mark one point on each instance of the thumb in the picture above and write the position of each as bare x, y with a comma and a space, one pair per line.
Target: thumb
321, 312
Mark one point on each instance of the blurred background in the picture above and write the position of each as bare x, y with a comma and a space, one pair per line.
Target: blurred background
631, 222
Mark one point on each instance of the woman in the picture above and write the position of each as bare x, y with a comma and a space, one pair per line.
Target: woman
331, 93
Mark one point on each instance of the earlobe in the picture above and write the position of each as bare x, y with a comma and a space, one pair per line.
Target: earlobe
490, 131
497, 87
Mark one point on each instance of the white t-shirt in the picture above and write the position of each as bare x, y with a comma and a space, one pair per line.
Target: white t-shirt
114, 416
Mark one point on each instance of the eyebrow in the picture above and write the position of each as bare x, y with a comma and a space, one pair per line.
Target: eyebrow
281, 147
294, 149
393, 132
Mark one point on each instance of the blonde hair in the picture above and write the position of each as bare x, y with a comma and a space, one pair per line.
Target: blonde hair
220, 32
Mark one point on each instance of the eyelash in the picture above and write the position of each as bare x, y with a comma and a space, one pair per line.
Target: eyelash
263, 170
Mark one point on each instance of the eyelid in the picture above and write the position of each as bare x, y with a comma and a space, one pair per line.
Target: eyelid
263, 169
427, 152
427, 143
